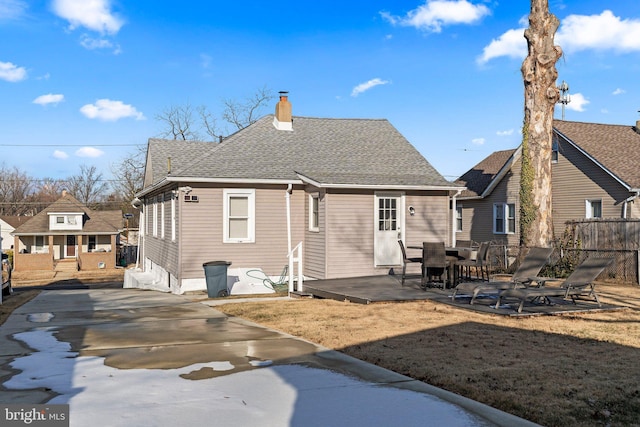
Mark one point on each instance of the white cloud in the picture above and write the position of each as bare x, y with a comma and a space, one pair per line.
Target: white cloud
619, 91
363, 87
578, 102
89, 152
11, 72
478, 141
435, 14
49, 99
511, 44
599, 32
108, 110
91, 43
12, 9
576, 33
505, 132
61, 155
94, 15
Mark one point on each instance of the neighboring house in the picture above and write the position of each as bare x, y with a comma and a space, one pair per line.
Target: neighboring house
67, 231
345, 189
594, 175
9, 223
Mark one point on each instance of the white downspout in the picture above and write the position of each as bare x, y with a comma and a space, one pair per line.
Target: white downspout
453, 217
626, 203
287, 197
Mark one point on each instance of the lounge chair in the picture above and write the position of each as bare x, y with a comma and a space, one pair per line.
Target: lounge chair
577, 286
530, 266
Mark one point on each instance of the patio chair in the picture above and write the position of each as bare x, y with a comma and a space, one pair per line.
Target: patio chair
578, 285
434, 263
405, 260
479, 263
530, 267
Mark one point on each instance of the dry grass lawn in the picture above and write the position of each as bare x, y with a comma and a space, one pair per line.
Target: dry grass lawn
565, 370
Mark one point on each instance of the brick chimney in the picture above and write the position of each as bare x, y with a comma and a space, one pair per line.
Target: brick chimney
637, 126
283, 119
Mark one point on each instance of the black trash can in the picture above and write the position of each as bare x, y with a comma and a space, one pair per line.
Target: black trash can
216, 274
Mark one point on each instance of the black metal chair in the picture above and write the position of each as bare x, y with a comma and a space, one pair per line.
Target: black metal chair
480, 263
405, 260
434, 263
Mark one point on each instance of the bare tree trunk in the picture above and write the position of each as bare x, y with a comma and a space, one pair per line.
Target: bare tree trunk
540, 96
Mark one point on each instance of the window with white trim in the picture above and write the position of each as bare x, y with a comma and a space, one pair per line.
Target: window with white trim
173, 218
38, 244
162, 225
239, 215
155, 217
504, 218
91, 242
593, 208
458, 218
554, 149
314, 212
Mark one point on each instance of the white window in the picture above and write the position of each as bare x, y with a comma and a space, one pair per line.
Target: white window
161, 200
239, 215
173, 219
593, 209
314, 212
458, 218
554, 149
59, 220
154, 224
504, 218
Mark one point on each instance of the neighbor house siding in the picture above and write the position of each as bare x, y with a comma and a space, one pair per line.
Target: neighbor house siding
576, 179
315, 241
201, 235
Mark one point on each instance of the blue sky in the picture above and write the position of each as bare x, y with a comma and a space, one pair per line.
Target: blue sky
81, 82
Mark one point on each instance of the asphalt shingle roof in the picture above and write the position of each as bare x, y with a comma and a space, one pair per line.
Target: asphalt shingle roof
479, 177
95, 222
328, 151
616, 147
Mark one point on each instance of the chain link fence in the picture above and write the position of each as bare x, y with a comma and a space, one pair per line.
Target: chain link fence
625, 269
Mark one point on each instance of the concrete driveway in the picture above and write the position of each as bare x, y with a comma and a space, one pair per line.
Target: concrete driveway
122, 357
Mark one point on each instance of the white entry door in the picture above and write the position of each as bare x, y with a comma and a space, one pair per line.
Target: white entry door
389, 226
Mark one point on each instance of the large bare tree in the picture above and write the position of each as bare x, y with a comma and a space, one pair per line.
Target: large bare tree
88, 186
184, 122
540, 96
15, 190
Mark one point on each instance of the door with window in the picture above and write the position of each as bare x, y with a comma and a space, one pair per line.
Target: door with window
71, 246
389, 225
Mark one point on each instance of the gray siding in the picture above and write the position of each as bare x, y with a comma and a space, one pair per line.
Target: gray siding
159, 249
477, 214
201, 233
351, 229
577, 179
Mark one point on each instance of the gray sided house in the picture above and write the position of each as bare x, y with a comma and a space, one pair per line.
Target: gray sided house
341, 189
595, 175
70, 232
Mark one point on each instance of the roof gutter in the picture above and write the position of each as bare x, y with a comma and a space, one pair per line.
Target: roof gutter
170, 179
317, 184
